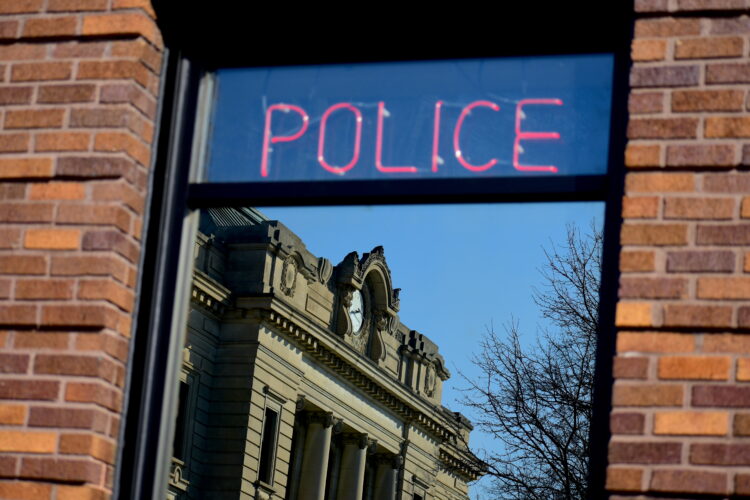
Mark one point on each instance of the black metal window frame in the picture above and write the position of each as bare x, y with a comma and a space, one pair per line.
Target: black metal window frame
143, 441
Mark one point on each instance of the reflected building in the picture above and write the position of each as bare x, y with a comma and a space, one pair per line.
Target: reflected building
299, 381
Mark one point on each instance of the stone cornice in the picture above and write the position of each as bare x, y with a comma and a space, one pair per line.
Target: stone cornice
460, 465
209, 294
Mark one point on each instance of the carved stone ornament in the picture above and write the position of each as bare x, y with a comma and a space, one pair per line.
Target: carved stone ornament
429, 381
325, 270
289, 276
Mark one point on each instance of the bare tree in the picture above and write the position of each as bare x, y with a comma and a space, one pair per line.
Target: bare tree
536, 401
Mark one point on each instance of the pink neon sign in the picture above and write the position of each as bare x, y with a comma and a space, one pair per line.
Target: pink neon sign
463, 123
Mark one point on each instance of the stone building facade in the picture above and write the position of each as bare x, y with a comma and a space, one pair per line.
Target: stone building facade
345, 400
80, 89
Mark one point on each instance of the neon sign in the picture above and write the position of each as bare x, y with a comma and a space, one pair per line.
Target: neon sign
492, 118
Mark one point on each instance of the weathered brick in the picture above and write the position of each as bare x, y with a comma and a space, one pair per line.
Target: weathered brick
699, 208
664, 76
704, 47
627, 423
654, 182
720, 454
88, 266
20, 6
29, 389
663, 128
76, 5
654, 49
694, 367
727, 126
13, 363
730, 25
653, 234
79, 49
106, 290
637, 261
27, 441
62, 141
708, 100
689, 481
34, 118
629, 452
743, 369
111, 240
640, 207
13, 414
741, 424
641, 155
61, 469
20, 315
54, 94
689, 315
44, 289
23, 264
648, 342
691, 423
728, 73
86, 392
651, 5
633, 314
653, 288
41, 71
93, 167
735, 234
666, 27
26, 212
700, 261
721, 396
100, 215
701, 155
52, 239
732, 288
622, 479
645, 102
14, 143
15, 95
688, 5
122, 24
94, 316
726, 343
647, 395
57, 191
25, 490
50, 26
726, 183
627, 367
88, 444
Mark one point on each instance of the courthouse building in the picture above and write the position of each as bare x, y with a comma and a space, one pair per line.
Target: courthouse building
294, 376
299, 380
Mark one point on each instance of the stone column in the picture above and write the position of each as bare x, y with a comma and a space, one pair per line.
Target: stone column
352, 471
386, 475
312, 484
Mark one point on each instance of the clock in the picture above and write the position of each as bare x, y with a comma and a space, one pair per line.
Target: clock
357, 311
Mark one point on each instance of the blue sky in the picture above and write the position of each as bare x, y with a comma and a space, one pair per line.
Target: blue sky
461, 268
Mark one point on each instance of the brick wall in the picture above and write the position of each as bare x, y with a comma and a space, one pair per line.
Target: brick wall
78, 85
681, 417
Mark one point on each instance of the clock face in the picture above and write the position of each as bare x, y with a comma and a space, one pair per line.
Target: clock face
357, 311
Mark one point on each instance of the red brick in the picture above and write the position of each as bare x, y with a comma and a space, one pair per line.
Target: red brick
742, 484
728, 73
627, 423
659, 183
689, 481
630, 452
683, 315
653, 49
130, 94
98, 316
743, 317
741, 424
57, 191
721, 396
700, 261
651, 5
119, 191
26, 212
79, 50
106, 290
12, 191
22, 51
15, 95
136, 23
635, 261
112, 344
62, 141
41, 71
653, 288
13, 363
86, 492
664, 76
736, 234
634, 314
14, 143
24, 441
708, 100
694, 367
41, 340
76, 5
645, 102
20, 6
113, 70
10, 238
730, 25
702, 155
653, 234
647, 395
699, 208
50, 26
66, 93
13, 414
720, 454
44, 289
645, 28
663, 128
23, 264
34, 118
726, 343
85, 392
134, 4
100, 167
61, 469
9, 30
20, 315
631, 368
123, 142
732, 288
704, 47
641, 207
688, 5
643, 155
726, 183
111, 240
88, 444
89, 266
622, 479
52, 239
73, 364
101, 117
29, 389
25, 490
94, 214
